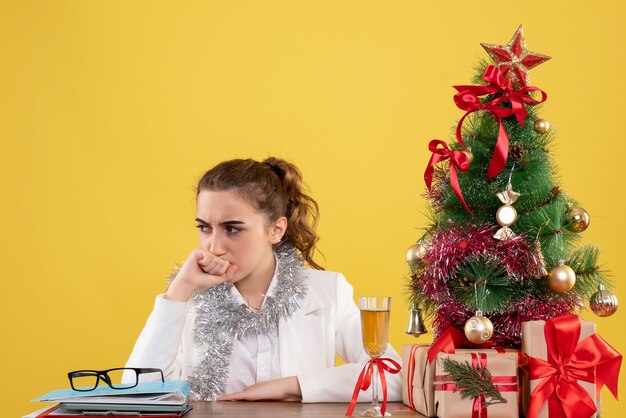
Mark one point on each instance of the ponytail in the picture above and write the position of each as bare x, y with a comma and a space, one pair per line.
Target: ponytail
302, 210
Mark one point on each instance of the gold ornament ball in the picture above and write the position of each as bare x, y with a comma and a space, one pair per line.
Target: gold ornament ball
561, 278
578, 219
478, 329
603, 302
415, 252
414, 256
542, 126
470, 156
506, 215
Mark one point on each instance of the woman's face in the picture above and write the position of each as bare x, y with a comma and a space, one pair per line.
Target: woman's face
230, 228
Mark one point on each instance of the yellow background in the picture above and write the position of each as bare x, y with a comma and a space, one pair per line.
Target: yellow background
110, 111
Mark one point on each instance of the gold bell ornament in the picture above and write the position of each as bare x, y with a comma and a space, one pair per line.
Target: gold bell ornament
506, 214
561, 278
416, 322
603, 302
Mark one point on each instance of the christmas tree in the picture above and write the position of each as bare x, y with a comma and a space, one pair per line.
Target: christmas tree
501, 247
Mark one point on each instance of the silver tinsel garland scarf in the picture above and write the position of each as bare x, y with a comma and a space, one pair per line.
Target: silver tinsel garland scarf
220, 318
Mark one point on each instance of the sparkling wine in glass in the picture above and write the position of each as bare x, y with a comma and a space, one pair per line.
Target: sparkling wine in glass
375, 330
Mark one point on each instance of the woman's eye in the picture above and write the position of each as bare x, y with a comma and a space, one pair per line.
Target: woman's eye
203, 228
232, 229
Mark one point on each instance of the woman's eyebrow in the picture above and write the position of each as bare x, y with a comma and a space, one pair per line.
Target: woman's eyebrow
223, 223
232, 223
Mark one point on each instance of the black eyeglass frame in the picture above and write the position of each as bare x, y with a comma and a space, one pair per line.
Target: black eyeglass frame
104, 376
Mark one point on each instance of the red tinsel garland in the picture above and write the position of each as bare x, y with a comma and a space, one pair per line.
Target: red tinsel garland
450, 246
507, 325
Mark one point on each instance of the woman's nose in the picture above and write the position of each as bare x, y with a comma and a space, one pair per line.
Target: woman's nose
216, 244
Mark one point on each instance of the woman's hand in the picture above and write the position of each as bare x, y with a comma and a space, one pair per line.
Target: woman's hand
286, 389
201, 270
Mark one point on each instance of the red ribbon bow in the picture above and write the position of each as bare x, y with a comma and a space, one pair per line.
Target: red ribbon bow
449, 341
467, 99
365, 379
591, 360
458, 160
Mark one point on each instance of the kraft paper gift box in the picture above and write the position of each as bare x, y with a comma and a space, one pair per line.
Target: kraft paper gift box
534, 344
503, 368
418, 390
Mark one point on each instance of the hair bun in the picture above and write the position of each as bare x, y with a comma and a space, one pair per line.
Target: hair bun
277, 169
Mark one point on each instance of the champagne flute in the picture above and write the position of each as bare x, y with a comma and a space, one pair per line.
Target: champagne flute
375, 330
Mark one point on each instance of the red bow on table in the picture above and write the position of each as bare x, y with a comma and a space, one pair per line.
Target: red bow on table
591, 360
365, 379
457, 160
467, 99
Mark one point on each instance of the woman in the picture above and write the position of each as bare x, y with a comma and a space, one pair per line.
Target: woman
243, 319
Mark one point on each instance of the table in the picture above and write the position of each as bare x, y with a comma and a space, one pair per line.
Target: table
286, 409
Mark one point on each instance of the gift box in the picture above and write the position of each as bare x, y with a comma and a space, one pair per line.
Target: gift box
418, 391
502, 365
566, 364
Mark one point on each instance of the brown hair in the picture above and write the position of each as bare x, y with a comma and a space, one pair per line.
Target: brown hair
274, 187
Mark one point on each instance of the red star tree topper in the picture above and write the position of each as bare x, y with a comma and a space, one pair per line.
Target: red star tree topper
514, 60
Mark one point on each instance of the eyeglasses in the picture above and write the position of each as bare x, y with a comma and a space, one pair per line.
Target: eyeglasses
86, 380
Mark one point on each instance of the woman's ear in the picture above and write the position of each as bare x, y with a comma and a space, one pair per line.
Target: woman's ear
278, 229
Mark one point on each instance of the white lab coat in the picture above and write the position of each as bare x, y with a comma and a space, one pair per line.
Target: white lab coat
326, 324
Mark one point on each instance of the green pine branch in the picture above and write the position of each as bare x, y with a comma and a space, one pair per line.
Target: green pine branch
584, 262
483, 284
471, 382
479, 69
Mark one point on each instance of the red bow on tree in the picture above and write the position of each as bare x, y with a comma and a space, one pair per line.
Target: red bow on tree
458, 160
592, 360
467, 99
